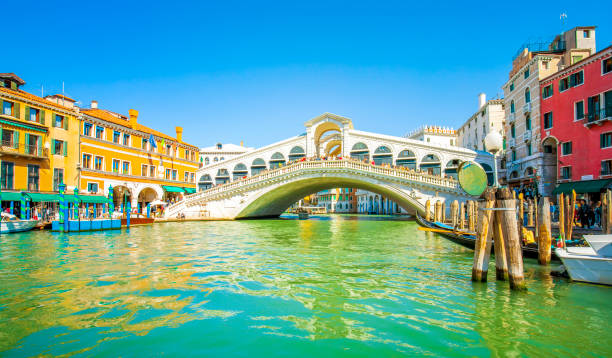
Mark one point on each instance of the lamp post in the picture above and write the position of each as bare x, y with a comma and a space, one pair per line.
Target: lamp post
494, 143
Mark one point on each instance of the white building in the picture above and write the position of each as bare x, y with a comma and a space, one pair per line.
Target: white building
221, 152
435, 135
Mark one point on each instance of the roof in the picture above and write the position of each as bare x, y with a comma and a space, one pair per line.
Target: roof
12, 76
62, 97
229, 147
122, 120
34, 98
568, 69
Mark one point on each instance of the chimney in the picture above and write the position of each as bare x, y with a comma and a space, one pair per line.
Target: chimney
133, 118
179, 133
94, 104
482, 100
242, 143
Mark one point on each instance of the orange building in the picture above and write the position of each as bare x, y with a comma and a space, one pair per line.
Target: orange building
141, 164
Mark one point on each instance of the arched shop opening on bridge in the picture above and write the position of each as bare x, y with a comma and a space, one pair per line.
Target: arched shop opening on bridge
431, 164
360, 151
451, 168
205, 182
258, 166
296, 153
382, 156
490, 174
240, 171
277, 160
222, 177
407, 159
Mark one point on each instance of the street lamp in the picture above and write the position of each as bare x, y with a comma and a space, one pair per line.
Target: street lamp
494, 143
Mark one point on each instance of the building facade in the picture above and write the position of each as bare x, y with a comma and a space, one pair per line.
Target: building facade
141, 164
435, 134
338, 200
40, 140
220, 152
576, 115
527, 164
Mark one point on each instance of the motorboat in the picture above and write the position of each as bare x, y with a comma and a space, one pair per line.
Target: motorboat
302, 213
10, 223
593, 263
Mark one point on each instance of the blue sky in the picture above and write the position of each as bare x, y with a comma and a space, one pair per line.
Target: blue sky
255, 71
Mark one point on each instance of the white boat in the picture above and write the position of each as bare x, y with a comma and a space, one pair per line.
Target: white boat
10, 223
591, 264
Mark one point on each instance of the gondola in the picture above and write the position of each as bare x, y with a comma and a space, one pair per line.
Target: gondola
469, 240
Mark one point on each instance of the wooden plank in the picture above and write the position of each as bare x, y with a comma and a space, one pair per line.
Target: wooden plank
482, 249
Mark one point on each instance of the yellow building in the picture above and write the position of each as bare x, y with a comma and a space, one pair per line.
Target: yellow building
141, 164
40, 140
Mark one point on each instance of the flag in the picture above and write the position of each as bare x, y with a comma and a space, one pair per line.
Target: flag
152, 141
163, 143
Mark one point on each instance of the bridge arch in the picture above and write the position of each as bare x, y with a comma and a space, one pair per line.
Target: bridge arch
205, 182
431, 164
360, 151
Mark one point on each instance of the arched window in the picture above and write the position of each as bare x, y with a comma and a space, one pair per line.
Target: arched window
258, 166
527, 95
431, 164
206, 161
490, 175
512, 106
451, 168
382, 155
221, 158
240, 170
216, 159
406, 158
205, 182
277, 160
222, 176
514, 175
360, 151
296, 153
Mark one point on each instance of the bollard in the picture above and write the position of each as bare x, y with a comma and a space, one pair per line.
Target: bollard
428, 210
529, 213
604, 210
499, 246
473, 216
462, 216
437, 211
570, 228
443, 218
454, 212
128, 213
482, 248
544, 238
536, 222
567, 217
561, 217
521, 220
512, 240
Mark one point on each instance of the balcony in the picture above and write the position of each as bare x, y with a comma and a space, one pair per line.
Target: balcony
527, 136
512, 142
511, 117
598, 116
527, 107
21, 150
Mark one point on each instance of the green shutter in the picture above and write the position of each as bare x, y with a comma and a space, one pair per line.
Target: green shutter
27, 113
16, 139
601, 140
27, 139
39, 147
53, 146
53, 119
17, 110
65, 123
65, 146
42, 116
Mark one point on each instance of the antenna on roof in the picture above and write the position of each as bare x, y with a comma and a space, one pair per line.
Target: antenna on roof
563, 17
42, 91
62, 93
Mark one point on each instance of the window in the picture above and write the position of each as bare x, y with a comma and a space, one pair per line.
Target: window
511, 86
32, 144
566, 148
126, 139
192, 177
548, 149
98, 163
594, 107
7, 137
545, 65
58, 178
529, 151
34, 115
151, 171
576, 79
563, 84
126, 168
216, 159
527, 95
605, 140
548, 120
168, 149
87, 161
92, 187
87, 129
513, 155
59, 147
116, 136
606, 167
566, 172
116, 164
144, 170
526, 74
576, 59
219, 146
174, 174
512, 131
586, 34
8, 173
33, 177
606, 65
145, 142
58, 121
528, 122
7, 108
168, 171
579, 110
547, 91
512, 106
99, 132
186, 177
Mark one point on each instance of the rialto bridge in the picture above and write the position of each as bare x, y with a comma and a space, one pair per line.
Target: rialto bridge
331, 153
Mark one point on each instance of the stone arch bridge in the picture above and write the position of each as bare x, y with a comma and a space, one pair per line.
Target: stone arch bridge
264, 182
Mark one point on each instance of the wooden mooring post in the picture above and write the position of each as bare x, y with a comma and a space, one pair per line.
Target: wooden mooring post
499, 246
437, 211
507, 210
521, 210
462, 216
482, 249
561, 204
529, 213
609, 212
572, 212
428, 210
443, 219
544, 239
455, 213
604, 212
472, 214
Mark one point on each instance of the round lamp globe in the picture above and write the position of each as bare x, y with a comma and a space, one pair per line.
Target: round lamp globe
494, 142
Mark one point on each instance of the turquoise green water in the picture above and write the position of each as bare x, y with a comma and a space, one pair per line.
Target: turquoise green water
328, 287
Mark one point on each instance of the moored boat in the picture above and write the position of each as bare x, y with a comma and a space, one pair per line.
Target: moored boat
593, 263
10, 224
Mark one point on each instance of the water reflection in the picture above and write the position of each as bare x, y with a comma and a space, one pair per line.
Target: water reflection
358, 283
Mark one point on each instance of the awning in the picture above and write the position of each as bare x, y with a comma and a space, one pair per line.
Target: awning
23, 125
189, 190
94, 199
173, 189
10, 196
41, 197
585, 186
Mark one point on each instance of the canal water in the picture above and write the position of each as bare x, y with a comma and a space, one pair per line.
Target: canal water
330, 286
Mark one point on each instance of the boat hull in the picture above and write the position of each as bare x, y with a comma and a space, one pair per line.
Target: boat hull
8, 227
586, 267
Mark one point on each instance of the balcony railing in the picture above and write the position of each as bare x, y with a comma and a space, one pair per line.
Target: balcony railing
599, 115
511, 117
34, 151
527, 107
527, 136
511, 142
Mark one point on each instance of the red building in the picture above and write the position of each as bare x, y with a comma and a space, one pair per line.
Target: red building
576, 123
